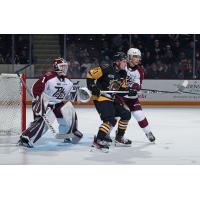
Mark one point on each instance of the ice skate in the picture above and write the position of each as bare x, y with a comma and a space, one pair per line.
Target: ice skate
150, 137
120, 140
25, 141
101, 145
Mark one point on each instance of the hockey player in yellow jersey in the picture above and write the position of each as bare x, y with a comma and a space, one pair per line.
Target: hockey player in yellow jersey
111, 78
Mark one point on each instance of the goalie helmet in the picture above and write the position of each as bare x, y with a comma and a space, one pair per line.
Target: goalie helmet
133, 52
60, 66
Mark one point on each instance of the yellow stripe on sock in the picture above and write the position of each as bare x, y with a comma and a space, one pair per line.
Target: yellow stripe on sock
123, 122
123, 128
104, 130
106, 125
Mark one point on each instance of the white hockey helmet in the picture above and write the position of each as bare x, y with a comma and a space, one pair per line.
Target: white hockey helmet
133, 52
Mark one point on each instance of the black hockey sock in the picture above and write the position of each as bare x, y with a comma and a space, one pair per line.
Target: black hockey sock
122, 126
104, 131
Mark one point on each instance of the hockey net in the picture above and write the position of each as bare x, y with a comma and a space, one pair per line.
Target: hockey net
12, 104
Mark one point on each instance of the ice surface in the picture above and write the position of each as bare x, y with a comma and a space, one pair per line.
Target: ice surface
177, 131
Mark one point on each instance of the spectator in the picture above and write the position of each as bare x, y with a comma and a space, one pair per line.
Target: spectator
2, 61
152, 71
85, 67
168, 55
23, 57
188, 73
74, 70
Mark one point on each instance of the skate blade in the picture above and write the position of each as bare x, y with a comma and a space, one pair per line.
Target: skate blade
153, 142
24, 145
116, 144
94, 149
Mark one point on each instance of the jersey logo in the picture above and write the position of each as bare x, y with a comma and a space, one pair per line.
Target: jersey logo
114, 85
60, 93
95, 73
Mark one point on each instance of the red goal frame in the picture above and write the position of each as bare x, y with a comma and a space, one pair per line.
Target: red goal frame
23, 77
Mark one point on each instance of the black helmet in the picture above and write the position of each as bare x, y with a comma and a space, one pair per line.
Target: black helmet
119, 56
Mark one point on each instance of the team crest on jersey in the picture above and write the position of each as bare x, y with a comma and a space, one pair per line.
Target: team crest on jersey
114, 85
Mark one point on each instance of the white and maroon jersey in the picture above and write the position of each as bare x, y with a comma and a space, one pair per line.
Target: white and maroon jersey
135, 77
51, 85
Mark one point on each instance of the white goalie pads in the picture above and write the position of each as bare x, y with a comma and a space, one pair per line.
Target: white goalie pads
68, 113
69, 120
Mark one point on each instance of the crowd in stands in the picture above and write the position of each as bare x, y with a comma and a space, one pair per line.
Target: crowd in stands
163, 56
21, 49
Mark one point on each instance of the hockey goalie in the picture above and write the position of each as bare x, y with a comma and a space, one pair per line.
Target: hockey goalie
52, 96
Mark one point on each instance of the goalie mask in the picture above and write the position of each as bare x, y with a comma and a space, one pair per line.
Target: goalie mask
60, 66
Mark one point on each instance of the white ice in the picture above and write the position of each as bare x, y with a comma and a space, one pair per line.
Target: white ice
177, 132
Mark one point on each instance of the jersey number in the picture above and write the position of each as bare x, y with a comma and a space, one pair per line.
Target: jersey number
59, 94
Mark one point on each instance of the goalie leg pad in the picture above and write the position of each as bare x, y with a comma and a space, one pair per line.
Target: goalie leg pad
37, 128
63, 126
69, 116
69, 124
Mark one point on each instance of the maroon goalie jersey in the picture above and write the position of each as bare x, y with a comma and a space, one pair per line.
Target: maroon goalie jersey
56, 88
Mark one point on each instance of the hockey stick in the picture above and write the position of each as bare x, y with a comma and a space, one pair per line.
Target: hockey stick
180, 90
157, 91
23, 68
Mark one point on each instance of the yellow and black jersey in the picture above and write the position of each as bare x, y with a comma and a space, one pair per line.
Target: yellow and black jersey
105, 78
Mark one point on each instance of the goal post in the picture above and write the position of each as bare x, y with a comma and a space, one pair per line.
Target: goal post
23, 85
12, 104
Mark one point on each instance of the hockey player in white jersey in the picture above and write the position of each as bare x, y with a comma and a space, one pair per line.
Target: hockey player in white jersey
52, 92
135, 76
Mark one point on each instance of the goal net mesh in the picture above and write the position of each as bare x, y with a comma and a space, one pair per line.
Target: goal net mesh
11, 104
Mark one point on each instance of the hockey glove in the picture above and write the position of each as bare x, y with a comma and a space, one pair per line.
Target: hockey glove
132, 92
95, 90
